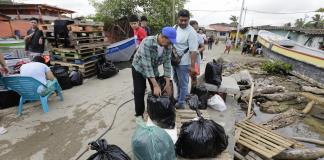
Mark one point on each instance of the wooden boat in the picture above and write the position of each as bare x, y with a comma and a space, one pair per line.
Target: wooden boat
121, 51
308, 63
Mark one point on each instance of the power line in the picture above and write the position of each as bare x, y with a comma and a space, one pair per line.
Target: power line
267, 12
250, 10
197, 10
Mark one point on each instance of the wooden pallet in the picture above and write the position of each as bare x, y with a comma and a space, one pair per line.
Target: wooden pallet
74, 56
45, 27
85, 28
76, 35
74, 42
87, 69
262, 140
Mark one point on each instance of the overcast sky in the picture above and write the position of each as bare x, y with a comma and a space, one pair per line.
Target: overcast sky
82, 7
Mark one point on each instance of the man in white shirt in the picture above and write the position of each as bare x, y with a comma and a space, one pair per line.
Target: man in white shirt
39, 71
187, 47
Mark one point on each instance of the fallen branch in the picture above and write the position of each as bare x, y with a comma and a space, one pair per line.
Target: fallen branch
314, 90
309, 140
250, 100
309, 107
280, 97
311, 96
283, 119
270, 89
301, 154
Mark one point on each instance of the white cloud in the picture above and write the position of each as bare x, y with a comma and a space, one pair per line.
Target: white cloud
82, 7
252, 18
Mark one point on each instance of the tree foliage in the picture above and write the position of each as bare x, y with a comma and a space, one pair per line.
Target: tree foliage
158, 12
234, 20
299, 23
317, 21
287, 24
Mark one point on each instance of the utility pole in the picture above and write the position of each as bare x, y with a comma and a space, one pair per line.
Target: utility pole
238, 26
245, 9
173, 12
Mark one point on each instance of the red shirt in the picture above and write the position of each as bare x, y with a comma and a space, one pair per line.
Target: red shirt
140, 34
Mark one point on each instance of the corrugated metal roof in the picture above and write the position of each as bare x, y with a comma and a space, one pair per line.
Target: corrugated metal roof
317, 32
27, 6
219, 28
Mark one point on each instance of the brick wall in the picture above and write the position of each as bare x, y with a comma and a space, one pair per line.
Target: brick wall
20, 25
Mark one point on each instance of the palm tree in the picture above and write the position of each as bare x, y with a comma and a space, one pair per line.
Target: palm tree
287, 24
234, 20
317, 21
299, 23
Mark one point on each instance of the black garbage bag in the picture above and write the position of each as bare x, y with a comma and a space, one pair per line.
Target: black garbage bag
201, 138
8, 98
203, 95
161, 111
62, 75
105, 68
76, 77
213, 73
193, 102
107, 152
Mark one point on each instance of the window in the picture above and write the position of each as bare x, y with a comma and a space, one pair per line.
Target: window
222, 33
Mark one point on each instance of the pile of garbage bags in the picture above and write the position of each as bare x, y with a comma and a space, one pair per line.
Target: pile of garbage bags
152, 143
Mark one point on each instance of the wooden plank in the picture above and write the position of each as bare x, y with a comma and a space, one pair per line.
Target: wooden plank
271, 132
237, 134
262, 139
279, 142
250, 100
259, 143
265, 135
255, 144
255, 148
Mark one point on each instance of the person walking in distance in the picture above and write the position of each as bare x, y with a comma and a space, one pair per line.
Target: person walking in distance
228, 45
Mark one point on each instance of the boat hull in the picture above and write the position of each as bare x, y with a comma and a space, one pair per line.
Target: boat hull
121, 51
307, 63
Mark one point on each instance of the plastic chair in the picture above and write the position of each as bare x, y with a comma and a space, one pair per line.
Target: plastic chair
2, 85
27, 87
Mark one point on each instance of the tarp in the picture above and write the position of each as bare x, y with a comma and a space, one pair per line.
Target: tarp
121, 51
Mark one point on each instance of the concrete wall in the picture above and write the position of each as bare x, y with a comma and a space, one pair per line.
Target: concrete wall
302, 68
217, 34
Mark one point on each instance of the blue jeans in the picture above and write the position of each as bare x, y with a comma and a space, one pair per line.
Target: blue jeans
181, 77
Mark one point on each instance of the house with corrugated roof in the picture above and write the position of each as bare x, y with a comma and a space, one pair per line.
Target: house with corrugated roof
220, 30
